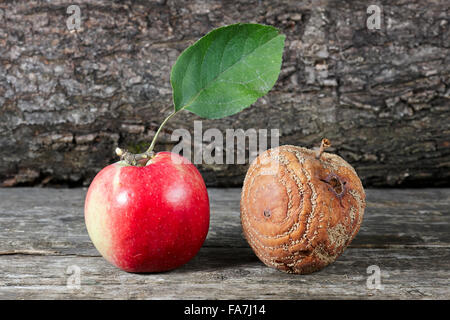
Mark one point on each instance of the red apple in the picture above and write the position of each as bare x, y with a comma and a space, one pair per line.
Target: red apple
148, 219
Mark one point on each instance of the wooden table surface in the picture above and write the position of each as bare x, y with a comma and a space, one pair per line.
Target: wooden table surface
44, 246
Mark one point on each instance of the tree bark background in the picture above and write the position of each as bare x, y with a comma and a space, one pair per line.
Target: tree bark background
67, 100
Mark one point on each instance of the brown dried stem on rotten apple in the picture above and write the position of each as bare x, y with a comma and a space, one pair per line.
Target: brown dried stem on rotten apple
325, 144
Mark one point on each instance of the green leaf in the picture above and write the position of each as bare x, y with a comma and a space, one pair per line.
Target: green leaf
227, 70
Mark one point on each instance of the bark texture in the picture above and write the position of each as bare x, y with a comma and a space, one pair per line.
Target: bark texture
67, 100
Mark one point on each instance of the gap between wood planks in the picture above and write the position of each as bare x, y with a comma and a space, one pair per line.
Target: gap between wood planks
58, 253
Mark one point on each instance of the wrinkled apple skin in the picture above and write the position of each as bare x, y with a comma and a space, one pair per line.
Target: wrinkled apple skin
148, 219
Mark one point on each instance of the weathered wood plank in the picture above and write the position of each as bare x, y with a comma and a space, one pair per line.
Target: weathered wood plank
51, 220
405, 233
232, 273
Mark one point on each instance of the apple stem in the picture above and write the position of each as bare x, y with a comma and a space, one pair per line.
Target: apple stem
135, 158
323, 145
152, 145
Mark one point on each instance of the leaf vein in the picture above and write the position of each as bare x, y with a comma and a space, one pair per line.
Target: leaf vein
215, 78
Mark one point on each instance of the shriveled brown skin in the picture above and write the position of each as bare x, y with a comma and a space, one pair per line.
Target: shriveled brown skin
298, 212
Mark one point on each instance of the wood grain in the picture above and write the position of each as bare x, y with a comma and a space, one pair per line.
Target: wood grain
231, 273
404, 232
